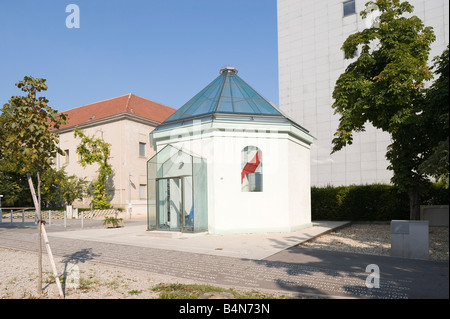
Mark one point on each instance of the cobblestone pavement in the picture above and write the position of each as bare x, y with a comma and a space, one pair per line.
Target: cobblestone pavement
297, 270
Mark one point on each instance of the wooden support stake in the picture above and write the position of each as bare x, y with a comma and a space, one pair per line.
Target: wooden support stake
52, 262
38, 214
42, 231
33, 193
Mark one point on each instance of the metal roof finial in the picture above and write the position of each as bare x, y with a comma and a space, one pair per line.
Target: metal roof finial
229, 68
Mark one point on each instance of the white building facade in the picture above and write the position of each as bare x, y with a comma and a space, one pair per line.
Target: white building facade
310, 36
229, 162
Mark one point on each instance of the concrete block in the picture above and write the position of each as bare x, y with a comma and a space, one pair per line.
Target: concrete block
400, 227
436, 215
410, 239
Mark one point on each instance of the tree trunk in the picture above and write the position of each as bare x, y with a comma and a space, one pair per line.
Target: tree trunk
414, 208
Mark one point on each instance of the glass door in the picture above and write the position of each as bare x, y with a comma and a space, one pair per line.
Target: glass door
188, 204
170, 203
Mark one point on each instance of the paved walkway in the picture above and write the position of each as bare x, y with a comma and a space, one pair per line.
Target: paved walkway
272, 261
248, 246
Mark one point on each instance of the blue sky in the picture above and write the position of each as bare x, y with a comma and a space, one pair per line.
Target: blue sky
162, 50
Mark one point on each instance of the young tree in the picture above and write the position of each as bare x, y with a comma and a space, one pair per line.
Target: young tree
96, 150
27, 128
385, 87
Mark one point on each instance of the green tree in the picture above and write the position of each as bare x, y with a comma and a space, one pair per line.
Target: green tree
73, 188
59, 189
96, 150
435, 123
28, 123
384, 86
13, 182
51, 180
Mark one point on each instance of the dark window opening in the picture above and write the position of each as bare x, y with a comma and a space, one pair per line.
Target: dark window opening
349, 8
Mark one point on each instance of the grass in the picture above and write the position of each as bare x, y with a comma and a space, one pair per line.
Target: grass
180, 291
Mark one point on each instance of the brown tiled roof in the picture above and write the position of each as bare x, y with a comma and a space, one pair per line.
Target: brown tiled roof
130, 103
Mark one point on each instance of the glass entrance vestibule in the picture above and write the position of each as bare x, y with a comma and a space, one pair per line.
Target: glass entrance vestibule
175, 204
177, 192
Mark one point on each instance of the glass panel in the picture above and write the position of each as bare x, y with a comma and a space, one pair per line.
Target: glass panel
179, 164
174, 204
203, 103
226, 94
200, 195
169, 204
188, 204
151, 195
248, 101
163, 207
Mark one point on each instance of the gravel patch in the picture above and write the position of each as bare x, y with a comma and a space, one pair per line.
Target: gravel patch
375, 239
19, 279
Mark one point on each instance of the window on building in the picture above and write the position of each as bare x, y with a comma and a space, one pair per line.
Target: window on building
142, 191
66, 156
142, 149
251, 169
349, 8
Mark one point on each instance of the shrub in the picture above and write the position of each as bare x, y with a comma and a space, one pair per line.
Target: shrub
376, 202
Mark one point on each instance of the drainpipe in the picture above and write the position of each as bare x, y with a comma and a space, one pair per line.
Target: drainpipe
130, 206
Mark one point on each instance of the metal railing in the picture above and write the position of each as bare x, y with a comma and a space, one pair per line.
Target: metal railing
16, 212
28, 214
22, 215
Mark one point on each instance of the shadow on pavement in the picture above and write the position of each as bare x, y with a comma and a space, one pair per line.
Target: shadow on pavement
346, 274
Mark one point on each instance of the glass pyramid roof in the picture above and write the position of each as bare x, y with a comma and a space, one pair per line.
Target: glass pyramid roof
227, 94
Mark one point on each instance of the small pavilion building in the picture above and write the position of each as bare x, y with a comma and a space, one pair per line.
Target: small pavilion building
228, 161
